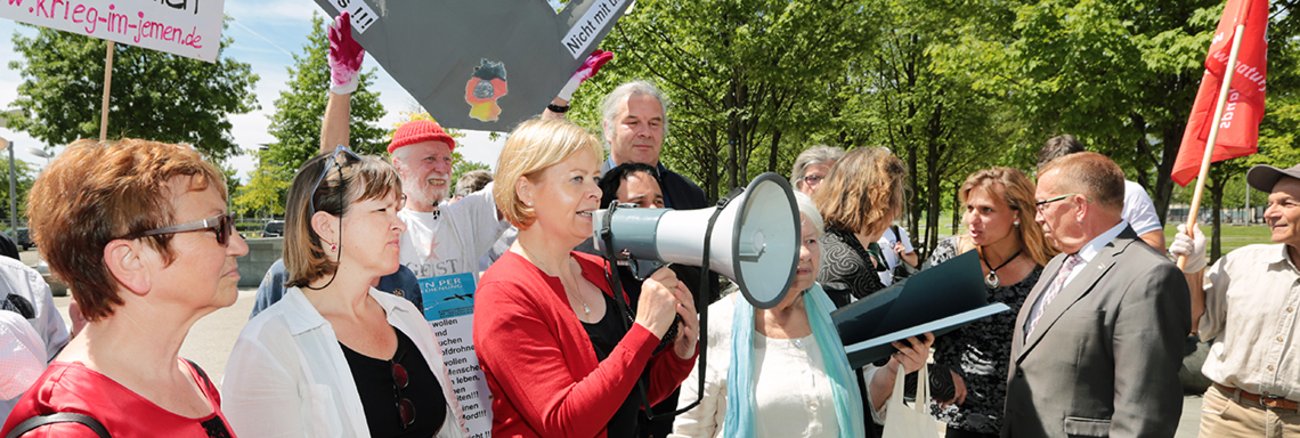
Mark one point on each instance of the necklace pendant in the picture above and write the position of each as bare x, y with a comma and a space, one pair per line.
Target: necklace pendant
991, 280
586, 309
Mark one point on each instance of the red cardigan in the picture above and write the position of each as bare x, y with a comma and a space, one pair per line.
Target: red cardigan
539, 362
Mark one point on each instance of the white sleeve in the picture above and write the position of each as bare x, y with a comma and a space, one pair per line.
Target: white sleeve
1139, 211
50, 323
907, 240
705, 420
878, 416
480, 214
22, 357
261, 396
25, 282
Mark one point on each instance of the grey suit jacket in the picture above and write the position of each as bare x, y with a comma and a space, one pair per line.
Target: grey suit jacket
1104, 358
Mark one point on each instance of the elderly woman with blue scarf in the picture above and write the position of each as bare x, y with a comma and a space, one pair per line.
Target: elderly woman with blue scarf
800, 380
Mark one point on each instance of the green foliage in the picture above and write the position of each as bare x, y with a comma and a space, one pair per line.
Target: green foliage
155, 95
296, 124
299, 111
460, 166
24, 175
747, 86
264, 195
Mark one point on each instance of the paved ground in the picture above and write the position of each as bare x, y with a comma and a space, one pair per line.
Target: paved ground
211, 339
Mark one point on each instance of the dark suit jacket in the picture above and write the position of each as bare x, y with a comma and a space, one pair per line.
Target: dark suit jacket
1104, 358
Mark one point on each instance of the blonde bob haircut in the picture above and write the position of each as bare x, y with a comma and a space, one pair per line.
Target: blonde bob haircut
864, 191
346, 182
1015, 190
534, 146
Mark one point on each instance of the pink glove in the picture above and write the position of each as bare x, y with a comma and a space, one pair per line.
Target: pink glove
585, 71
345, 56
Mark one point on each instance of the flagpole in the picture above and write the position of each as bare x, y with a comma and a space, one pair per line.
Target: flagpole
1224, 89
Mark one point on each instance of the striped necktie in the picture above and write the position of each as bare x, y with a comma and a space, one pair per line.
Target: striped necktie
1071, 261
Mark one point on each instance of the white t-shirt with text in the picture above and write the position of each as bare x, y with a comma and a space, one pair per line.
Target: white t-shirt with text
453, 240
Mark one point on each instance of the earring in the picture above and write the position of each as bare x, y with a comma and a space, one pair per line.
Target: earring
334, 247
1016, 223
529, 204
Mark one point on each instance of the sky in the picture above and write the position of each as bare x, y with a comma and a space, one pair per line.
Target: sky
266, 34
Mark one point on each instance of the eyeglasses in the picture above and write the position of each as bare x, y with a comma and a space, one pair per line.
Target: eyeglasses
405, 409
223, 225
1040, 204
813, 179
333, 160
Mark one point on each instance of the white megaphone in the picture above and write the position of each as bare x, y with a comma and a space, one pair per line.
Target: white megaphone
753, 239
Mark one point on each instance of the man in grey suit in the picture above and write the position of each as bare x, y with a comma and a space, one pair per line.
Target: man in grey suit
1099, 340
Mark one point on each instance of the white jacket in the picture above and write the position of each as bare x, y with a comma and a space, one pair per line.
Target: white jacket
287, 376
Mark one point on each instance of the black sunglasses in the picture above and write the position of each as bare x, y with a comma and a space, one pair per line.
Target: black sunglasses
405, 409
223, 225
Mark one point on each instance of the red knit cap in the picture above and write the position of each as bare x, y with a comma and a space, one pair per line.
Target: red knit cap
419, 131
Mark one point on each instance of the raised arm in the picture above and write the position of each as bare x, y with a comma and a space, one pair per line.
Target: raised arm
345, 56
587, 70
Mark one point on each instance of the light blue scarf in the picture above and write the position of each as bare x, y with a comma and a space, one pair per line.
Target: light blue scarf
741, 405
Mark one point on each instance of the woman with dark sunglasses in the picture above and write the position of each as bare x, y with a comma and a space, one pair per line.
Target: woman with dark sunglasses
139, 232
335, 356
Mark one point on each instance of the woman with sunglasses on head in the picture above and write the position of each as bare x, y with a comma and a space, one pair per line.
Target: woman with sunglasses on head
560, 356
335, 356
999, 213
140, 233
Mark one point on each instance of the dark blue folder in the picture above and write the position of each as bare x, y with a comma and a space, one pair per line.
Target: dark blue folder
937, 300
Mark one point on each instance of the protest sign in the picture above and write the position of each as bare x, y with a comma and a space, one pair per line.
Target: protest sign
485, 65
449, 308
190, 28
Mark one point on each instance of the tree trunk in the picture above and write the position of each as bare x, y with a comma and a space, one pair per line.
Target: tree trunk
956, 207
772, 153
1171, 138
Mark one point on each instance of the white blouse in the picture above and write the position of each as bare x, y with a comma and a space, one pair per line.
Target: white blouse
792, 391
287, 376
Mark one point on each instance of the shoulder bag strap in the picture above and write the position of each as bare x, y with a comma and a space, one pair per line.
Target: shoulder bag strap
58, 417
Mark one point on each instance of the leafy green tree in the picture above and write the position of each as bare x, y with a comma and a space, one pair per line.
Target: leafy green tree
265, 192
25, 175
155, 95
299, 111
743, 83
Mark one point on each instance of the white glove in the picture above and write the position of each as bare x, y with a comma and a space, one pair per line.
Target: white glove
1191, 247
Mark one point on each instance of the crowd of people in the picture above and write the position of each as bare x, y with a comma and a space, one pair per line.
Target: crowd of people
338, 345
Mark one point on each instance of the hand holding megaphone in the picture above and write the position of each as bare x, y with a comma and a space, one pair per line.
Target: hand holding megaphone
663, 298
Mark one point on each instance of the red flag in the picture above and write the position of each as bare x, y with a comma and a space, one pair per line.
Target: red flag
1243, 110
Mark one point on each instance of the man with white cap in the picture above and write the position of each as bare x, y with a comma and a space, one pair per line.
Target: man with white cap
1246, 306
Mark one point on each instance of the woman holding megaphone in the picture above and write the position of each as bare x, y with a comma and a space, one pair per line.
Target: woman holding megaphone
560, 355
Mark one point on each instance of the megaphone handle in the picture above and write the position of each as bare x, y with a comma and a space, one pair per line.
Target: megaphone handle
702, 305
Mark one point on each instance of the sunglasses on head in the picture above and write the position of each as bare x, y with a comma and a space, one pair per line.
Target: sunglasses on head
333, 160
223, 225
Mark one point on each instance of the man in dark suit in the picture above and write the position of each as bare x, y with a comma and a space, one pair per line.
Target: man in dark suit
1099, 340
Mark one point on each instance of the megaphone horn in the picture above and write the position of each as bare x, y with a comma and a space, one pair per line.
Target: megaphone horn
753, 240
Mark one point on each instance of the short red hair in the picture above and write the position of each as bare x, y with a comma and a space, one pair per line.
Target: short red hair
94, 193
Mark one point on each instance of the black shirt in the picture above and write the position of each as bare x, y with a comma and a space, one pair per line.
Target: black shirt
605, 335
380, 395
